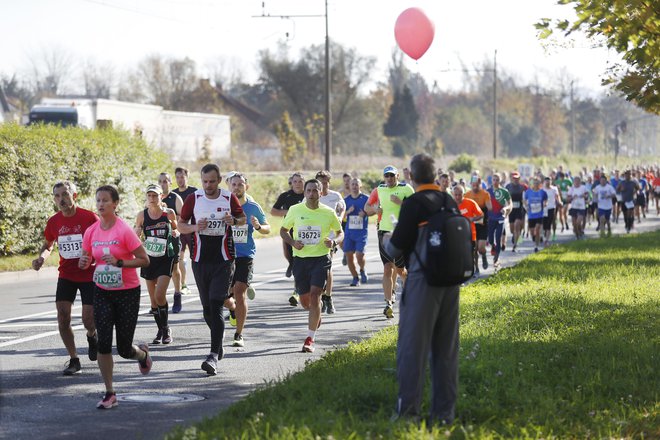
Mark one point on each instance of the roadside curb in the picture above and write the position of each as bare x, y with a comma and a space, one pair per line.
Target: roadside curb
28, 275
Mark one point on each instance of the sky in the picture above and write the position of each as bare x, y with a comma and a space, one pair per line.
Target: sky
122, 32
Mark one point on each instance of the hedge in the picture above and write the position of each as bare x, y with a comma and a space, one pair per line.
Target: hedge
33, 158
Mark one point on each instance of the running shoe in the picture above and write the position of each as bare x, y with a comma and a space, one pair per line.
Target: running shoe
484, 261
251, 293
343, 260
146, 363
289, 271
108, 401
176, 307
232, 318
492, 251
293, 299
167, 335
330, 307
308, 346
72, 367
238, 340
364, 278
324, 305
355, 282
185, 290
93, 347
158, 337
210, 365
388, 311
503, 245
536, 249
520, 239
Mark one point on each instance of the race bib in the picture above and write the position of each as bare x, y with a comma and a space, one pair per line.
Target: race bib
564, 194
516, 205
619, 198
630, 204
70, 246
155, 246
603, 196
355, 222
215, 225
240, 233
545, 211
535, 207
309, 235
108, 277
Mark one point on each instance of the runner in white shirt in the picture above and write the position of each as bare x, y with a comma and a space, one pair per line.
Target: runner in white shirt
578, 195
604, 194
550, 210
333, 200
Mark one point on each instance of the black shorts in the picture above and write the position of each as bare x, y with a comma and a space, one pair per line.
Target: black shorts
311, 271
158, 267
242, 270
516, 214
640, 201
482, 232
66, 291
384, 256
213, 280
532, 222
549, 219
574, 212
186, 242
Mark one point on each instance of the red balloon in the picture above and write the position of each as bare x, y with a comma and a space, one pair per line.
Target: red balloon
414, 32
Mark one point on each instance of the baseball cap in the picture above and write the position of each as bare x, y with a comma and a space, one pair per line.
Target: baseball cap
390, 169
515, 175
230, 175
153, 188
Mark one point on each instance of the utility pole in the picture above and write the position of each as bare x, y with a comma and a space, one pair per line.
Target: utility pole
495, 105
328, 114
572, 121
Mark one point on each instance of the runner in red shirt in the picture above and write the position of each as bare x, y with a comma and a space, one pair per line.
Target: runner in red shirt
67, 228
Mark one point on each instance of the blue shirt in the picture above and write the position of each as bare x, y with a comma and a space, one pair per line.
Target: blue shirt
535, 201
248, 248
352, 220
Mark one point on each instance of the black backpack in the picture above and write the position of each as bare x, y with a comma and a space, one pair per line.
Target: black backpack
445, 242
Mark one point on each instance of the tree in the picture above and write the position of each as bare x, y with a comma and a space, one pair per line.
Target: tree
98, 80
402, 122
292, 145
51, 71
631, 28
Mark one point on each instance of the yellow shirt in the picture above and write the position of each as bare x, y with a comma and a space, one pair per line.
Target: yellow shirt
312, 227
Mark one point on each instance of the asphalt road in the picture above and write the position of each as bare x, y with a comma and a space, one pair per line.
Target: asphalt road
36, 401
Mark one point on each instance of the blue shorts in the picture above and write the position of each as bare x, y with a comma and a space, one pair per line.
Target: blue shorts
604, 213
354, 242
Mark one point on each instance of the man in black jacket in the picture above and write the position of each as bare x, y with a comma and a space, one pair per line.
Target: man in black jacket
428, 320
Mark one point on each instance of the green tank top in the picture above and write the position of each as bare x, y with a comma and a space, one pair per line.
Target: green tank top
402, 190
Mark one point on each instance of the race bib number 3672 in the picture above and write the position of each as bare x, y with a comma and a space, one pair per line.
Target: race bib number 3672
310, 235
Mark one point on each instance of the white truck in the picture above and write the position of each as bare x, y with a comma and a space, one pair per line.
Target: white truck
183, 135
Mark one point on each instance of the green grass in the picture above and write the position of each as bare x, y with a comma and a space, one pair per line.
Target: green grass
24, 261
564, 345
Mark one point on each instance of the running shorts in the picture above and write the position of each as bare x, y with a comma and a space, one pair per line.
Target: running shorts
66, 291
243, 270
384, 256
549, 219
310, 271
354, 242
532, 222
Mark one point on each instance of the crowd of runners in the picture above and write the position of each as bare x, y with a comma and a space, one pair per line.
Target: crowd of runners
100, 252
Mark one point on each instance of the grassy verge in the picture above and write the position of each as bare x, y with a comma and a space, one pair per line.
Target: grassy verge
24, 262
564, 345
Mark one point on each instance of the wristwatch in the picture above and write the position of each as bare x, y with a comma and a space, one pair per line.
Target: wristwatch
120, 263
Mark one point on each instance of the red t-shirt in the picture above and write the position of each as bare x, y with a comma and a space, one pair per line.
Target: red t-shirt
120, 241
68, 233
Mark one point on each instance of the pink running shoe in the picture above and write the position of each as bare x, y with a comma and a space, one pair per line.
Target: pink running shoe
109, 401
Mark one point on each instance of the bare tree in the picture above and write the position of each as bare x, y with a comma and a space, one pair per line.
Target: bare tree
51, 71
98, 79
